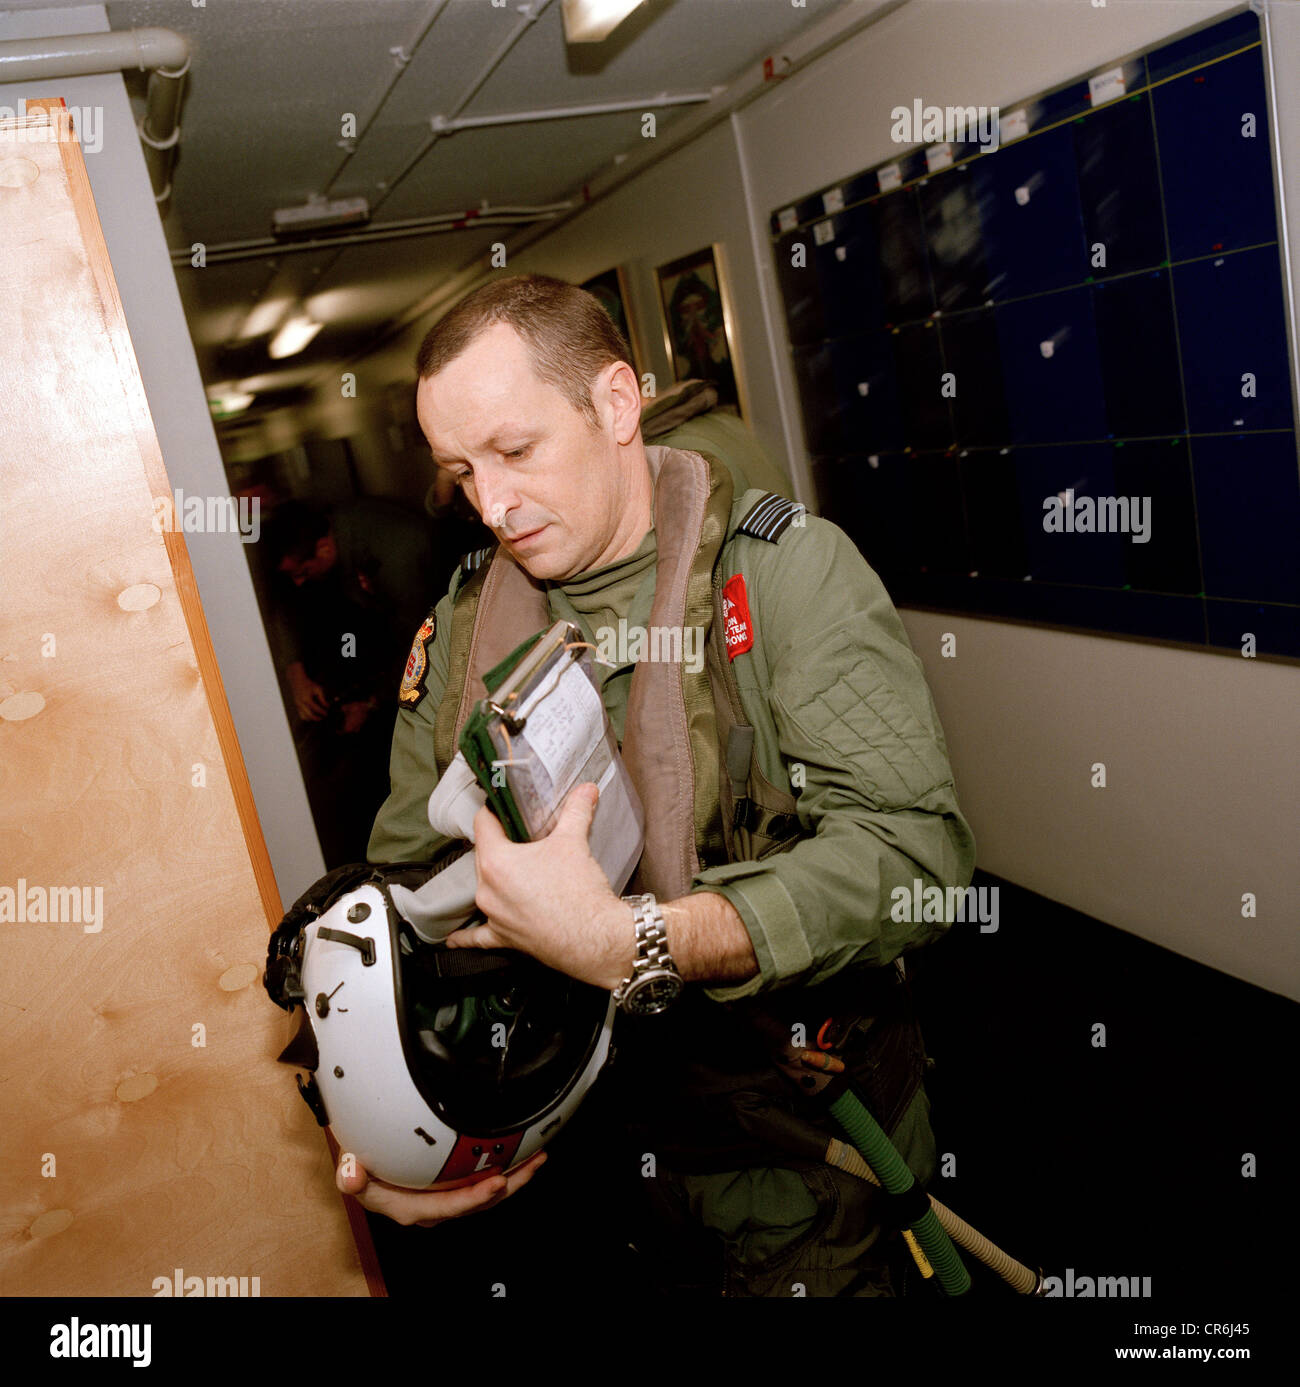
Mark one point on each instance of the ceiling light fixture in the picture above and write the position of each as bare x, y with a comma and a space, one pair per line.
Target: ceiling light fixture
264, 317
589, 21
293, 336
320, 214
226, 404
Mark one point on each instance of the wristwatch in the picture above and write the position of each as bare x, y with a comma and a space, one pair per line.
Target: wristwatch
654, 983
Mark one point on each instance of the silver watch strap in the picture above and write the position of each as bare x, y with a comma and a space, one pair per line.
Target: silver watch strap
651, 942
651, 936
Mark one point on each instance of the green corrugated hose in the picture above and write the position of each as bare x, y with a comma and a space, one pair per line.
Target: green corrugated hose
1018, 1276
878, 1151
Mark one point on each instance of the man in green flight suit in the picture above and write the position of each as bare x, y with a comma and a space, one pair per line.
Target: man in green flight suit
784, 851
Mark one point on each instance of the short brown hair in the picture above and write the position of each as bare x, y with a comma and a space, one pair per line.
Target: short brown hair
569, 335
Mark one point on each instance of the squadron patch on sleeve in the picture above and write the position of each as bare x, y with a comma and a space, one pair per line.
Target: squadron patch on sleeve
417, 664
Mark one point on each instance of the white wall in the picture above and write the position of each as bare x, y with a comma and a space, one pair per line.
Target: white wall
147, 284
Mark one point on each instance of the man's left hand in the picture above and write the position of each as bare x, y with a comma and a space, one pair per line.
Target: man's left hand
551, 898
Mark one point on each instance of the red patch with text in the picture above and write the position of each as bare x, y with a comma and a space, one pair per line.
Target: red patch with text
737, 626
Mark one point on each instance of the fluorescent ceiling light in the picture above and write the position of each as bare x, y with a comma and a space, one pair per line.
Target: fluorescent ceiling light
264, 316
589, 21
320, 214
227, 404
293, 336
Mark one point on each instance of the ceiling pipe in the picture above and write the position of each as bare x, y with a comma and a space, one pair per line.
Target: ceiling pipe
442, 125
160, 130
530, 12
267, 247
401, 55
164, 54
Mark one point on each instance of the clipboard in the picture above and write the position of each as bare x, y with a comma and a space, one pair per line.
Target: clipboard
543, 729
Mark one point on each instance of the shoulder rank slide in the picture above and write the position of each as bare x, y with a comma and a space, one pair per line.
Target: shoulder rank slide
769, 517
475, 559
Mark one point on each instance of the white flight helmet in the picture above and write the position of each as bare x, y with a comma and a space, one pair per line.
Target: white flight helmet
433, 1064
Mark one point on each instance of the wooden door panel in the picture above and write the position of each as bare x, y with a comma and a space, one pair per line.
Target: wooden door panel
120, 773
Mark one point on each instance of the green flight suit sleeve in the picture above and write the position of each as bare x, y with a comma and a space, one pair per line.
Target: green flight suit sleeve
401, 831
833, 680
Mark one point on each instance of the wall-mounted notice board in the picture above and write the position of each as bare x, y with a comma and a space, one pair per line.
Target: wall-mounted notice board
1092, 307
151, 1143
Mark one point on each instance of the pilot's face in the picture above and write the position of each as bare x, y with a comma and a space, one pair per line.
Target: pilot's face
548, 485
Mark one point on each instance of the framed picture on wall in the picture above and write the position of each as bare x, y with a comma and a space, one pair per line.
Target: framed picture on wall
610, 289
697, 318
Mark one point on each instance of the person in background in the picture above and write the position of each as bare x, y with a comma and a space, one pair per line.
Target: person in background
685, 416
349, 582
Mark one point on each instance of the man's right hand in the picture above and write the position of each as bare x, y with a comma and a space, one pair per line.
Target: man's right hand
310, 700
439, 1202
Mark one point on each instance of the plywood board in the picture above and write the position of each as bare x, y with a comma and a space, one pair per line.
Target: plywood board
147, 1127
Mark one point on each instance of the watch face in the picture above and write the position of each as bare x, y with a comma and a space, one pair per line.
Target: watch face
653, 994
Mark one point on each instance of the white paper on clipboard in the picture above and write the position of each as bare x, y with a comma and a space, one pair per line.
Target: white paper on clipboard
563, 724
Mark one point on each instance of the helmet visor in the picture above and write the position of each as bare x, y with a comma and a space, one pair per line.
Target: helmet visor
494, 1040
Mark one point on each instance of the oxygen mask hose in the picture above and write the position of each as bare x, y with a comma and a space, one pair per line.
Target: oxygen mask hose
891, 1172
1018, 1276
878, 1151
831, 1088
